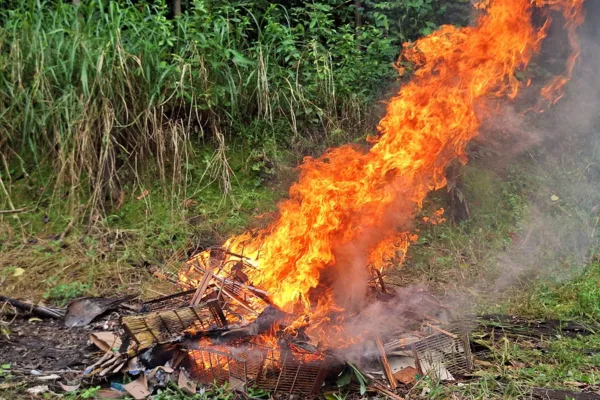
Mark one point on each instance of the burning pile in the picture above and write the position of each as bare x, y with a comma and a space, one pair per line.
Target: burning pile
350, 207
273, 307
230, 332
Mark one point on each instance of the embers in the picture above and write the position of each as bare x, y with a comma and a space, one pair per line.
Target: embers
274, 370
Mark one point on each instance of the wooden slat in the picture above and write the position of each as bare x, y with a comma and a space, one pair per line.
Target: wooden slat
161, 327
386, 365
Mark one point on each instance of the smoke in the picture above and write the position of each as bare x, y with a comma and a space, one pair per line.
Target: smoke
555, 236
558, 232
400, 315
348, 278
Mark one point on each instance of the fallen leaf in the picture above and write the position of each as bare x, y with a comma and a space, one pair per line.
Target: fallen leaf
554, 197
189, 203
34, 319
144, 194
18, 272
121, 200
38, 389
52, 377
483, 363
68, 388
575, 383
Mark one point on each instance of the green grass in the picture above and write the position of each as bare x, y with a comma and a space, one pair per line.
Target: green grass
576, 299
98, 96
537, 214
146, 233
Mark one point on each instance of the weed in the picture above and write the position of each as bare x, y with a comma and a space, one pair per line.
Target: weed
257, 393
578, 298
64, 292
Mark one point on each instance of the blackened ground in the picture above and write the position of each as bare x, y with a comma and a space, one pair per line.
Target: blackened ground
44, 345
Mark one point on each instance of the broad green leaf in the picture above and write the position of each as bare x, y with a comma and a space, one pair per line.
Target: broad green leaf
345, 378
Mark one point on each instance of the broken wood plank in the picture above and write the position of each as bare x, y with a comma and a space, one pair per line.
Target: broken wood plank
206, 279
385, 363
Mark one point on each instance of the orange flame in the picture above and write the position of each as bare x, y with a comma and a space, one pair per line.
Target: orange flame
351, 197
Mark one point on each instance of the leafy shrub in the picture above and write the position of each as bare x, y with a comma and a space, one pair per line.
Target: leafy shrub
64, 292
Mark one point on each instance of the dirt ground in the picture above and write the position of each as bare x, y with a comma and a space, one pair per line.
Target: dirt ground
45, 345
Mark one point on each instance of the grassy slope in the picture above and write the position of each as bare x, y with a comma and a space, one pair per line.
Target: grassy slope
504, 203
43, 256
535, 211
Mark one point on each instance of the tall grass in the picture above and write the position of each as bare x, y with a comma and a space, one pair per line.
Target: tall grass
108, 93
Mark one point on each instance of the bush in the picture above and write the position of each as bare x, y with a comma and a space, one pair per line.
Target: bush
103, 90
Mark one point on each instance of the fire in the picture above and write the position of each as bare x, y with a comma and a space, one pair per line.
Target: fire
365, 200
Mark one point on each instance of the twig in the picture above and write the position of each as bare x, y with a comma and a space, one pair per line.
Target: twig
61, 371
379, 388
429, 317
437, 328
15, 211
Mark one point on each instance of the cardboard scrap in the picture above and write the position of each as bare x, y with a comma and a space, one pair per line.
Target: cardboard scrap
435, 368
406, 375
138, 389
398, 363
178, 358
106, 341
185, 384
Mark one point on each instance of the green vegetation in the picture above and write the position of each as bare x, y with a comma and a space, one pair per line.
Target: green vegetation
109, 94
131, 139
64, 292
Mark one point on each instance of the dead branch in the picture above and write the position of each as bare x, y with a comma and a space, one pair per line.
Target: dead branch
41, 311
379, 388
